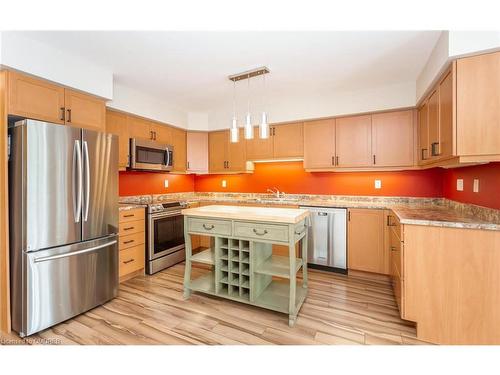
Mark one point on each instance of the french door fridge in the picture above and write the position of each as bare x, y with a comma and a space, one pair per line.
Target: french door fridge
63, 195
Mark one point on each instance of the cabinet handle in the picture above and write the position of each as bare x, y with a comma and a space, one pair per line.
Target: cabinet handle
393, 248
208, 227
62, 113
336, 160
260, 233
129, 215
227, 164
127, 242
151, 134
374, 160
422, 153
128, 261
349, 216
187, 165
434, 148
69, 115
333, 160
128, 228
155, 135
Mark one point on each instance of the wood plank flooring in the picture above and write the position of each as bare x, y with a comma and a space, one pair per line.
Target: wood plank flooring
150, 310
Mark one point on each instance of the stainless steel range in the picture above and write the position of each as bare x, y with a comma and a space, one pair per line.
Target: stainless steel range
165, 236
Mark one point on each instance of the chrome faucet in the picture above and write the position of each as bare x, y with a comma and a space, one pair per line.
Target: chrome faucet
277, 194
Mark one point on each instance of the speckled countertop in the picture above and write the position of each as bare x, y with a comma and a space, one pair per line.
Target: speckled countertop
130, 206
414, 211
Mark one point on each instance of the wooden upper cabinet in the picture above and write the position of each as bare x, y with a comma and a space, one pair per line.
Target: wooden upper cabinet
478, 105
197, 152
161, 133
84, 111
392, 139
366, 251
257, 148
319, 144
36, 99
445, 92
116, 123
433, 124
423, 133
139, 128
236, 154
217, 151
179, 144
353, 141
288, 140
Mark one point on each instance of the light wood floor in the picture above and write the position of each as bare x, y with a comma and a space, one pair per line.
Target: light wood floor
150, 310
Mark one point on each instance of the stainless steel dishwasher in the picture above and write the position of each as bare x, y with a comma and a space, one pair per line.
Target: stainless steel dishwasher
328, 238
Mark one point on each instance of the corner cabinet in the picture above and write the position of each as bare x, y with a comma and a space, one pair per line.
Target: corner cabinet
116, 123
197, 152
224, 156
40, 100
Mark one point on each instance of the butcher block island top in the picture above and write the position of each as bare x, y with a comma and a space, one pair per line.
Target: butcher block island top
265, 214
240, 256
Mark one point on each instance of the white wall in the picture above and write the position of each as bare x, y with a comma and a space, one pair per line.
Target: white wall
133, 101
39, 59
463, 43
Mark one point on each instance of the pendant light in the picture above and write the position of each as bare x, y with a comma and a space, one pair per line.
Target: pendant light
248, 117
234, 131
264, 125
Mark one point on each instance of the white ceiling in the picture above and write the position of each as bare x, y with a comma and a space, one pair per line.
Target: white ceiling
189, 70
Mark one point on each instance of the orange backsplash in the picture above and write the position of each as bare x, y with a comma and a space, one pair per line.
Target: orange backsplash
291, 178
139, 183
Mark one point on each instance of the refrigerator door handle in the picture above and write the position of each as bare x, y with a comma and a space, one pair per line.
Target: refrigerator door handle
87, 180
77, 173
79, 252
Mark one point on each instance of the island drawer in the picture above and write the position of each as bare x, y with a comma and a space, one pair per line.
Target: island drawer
269, 232
209, 226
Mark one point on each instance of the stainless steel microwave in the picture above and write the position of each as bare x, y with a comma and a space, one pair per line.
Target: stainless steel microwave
150, 156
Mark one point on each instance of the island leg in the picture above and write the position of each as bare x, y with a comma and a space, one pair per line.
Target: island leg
291, 251
304, 248
187, 269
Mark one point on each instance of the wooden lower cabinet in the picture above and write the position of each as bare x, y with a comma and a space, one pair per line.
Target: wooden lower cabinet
131, 243
366, 249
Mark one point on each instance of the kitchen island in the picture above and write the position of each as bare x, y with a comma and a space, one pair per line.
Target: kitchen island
243, 267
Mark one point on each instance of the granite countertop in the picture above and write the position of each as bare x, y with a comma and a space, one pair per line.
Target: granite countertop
413, 211
130, 206
263, 214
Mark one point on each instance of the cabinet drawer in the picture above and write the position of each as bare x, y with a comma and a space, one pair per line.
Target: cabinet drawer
131, 227
131, 260
131, 240
256, 231
208, 226
131, 215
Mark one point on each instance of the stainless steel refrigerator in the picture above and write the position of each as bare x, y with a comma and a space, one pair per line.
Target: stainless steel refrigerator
63, 211
328, 238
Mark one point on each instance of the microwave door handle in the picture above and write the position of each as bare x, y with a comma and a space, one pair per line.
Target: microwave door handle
167, 153
77, 174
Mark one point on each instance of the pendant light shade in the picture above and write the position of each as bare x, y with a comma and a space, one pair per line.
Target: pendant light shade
264, 127
234, 133
248, 126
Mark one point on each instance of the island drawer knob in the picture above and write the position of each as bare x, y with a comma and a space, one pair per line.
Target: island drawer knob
259, 233
208, 227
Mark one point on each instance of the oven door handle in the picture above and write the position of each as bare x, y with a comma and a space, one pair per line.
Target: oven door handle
165, 214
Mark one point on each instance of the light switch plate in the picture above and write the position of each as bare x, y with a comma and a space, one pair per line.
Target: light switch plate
165, 183
475, 187
378, 184
460, 184
224, 183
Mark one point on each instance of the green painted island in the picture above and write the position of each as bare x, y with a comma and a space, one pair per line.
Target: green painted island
244, 268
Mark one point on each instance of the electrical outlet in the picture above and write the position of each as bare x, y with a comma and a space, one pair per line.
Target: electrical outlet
475, 187
378, 184
165, 183
224, 183
460, 184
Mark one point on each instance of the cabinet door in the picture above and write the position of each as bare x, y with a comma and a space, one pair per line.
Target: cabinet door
319, 144
139, 128
259, 149
161, 133
366, 240
35, 99
197, 152
423, 134
217, 151
116, 123
179, 143
392, 139
288, 140
84, 111
478, 105
433, 124
445, 147
353, 141
236, 156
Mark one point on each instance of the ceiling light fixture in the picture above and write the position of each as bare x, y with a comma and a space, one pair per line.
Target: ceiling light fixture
248, 127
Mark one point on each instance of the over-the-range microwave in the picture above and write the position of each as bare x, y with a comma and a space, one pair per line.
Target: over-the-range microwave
148, 155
